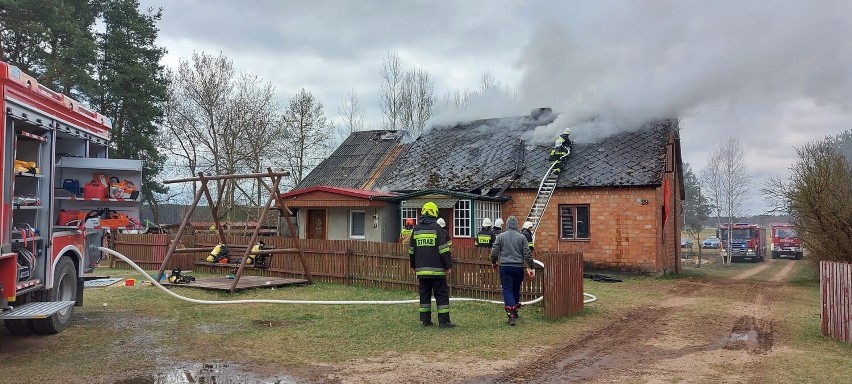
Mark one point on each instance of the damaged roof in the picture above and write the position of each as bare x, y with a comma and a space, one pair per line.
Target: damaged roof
357, 161
463, 156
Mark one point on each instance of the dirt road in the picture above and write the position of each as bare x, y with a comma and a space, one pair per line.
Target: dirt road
676, 340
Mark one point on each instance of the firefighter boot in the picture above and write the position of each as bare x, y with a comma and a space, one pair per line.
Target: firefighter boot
510, 313
444, 320
425, 316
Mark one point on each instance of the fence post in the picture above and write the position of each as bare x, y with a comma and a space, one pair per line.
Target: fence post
563, 285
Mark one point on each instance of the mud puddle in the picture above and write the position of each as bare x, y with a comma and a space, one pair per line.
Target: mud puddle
205, 373
752, 334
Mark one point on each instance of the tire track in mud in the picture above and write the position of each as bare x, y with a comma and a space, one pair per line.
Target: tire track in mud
625, 349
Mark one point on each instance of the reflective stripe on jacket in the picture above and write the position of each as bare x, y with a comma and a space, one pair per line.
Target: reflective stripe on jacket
429, 249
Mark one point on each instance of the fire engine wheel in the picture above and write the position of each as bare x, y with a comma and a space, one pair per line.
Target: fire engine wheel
64, 289
19, 327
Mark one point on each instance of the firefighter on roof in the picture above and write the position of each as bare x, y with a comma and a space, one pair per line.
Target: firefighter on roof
561, 149
429, 251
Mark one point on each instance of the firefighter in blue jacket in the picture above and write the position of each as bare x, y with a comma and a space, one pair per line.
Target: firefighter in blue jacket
429, 250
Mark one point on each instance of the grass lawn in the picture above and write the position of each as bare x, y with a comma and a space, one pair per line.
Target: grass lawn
141, 328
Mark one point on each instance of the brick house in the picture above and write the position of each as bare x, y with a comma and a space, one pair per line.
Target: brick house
617, 200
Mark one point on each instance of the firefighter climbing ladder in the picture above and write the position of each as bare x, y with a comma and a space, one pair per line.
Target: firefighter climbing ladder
542, 198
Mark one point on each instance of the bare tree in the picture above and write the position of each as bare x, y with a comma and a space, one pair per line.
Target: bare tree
221, 122
353, 117
726, 179
391, 89
818, 196
306, 132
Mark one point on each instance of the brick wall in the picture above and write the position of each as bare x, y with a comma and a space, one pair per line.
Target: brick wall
626, 225
623, 228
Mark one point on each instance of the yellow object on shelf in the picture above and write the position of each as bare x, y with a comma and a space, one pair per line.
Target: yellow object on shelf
25, 167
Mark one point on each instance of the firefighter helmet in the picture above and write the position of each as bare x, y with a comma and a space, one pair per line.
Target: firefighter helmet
410, 222
430, 209
441, 222
528, 224
567, 131
486, 222
498, 223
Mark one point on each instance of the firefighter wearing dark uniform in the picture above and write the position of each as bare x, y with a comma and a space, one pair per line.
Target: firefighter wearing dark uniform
561, 149
485, 236
527, 232
429, 250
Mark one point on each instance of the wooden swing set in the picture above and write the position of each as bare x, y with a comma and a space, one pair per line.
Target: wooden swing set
274, 196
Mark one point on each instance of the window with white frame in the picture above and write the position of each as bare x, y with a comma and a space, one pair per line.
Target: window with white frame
489, 209
357, 222
408, 213
461, 219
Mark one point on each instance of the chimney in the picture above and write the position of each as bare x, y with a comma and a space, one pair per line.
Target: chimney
539, 112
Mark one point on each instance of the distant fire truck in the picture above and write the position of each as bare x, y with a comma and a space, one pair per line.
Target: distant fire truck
785, 241
747, 242
60, 192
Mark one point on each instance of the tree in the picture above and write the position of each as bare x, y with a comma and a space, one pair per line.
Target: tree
131, 87
696, 208
390, 90
726, 179
818, 196
53, 41
353, 117
222, 122
306, 133
406, 96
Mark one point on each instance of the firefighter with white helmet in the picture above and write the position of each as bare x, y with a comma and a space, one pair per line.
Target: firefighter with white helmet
443, 225
527, 232
498, 227
561, 149
485, 236
429, 250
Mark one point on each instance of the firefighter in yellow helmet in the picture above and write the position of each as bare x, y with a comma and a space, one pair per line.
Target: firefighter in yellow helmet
429, 250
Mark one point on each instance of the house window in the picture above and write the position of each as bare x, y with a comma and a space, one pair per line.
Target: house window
487, 209
357, 220
408, 213
461, 219
573, 222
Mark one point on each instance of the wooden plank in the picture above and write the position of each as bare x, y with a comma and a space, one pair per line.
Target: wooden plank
246, 282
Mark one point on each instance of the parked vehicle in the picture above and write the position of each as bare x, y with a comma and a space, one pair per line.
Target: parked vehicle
50, 213
711, 242
747, 241
785, 241
685, 242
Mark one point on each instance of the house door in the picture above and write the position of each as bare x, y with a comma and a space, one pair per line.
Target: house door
316, 224
447, 214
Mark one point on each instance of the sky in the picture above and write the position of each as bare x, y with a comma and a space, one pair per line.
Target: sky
774, 74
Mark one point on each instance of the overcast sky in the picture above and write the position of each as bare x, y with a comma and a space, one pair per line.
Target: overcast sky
776, 74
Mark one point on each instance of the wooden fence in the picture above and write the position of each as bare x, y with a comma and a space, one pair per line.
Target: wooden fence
372, 264
835, 280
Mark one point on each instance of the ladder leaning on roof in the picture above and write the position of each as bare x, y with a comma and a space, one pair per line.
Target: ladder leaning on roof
545, 191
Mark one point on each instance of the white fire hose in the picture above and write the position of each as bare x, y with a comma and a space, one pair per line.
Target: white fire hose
591, 298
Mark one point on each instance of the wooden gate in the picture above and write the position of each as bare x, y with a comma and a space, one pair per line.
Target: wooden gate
563, 284
835, 281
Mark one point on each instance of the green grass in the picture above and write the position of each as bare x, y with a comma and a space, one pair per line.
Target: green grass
140, 328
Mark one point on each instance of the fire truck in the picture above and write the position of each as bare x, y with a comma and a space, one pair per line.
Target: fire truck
60, 193
785, 241
747, 241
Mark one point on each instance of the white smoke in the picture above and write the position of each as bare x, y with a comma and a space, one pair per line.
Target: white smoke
630, 62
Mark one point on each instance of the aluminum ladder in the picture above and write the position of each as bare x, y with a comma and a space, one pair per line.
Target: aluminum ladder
542, 198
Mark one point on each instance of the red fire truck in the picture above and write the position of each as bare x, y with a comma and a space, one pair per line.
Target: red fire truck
60, 192
785, 241
747, 241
